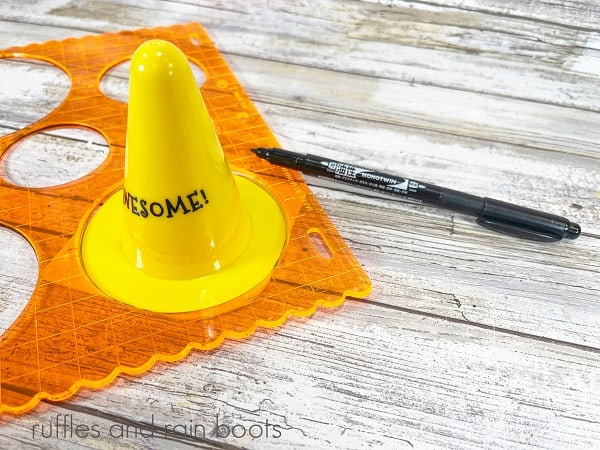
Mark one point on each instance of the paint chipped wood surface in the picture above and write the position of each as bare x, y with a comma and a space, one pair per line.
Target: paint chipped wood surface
469, 339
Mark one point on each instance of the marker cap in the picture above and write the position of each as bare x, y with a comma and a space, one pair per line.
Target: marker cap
185, 233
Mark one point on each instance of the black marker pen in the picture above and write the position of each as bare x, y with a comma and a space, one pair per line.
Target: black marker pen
493, 214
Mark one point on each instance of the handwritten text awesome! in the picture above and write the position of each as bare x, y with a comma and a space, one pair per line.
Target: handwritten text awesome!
169, 207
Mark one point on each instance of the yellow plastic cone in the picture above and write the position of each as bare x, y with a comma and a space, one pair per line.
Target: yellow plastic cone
184, 233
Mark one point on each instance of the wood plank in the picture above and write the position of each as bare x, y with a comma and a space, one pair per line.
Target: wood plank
424, 107
576, 13
428, 105
425, 45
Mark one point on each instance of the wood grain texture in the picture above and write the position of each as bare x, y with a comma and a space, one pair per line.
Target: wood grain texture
470, 339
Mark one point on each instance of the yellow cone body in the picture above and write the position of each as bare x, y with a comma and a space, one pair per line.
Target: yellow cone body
184, 233
182, 209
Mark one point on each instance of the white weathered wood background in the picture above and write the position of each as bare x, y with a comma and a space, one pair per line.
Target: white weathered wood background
469, 339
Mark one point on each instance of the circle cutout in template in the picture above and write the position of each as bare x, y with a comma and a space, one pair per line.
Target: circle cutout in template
54, 157
31, 89
19, 272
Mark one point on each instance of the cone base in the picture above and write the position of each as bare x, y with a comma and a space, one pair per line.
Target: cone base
112, 273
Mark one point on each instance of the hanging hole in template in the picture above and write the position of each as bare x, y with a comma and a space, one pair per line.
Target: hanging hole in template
320, 244
30, 90
53, 157
115, 82
19, 272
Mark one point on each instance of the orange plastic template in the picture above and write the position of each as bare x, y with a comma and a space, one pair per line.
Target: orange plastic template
70, 334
